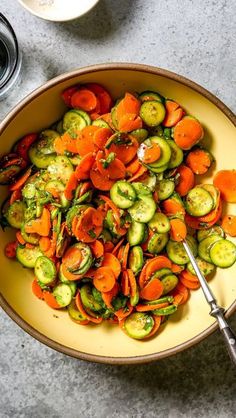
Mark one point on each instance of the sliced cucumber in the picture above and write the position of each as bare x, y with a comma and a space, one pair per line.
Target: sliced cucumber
8, 174
141, 189
84, 115
74, 313
86, 261
134, 299
157, 243
73, 211
88, 299
177, 154
192, 242
223, 253
63, 295
150, 95
159, 274
135, 260
29, 191
73, 120
165, 188
15, 214
30, 238
165, 151
214, 192
60, 169
152, 112
39, 159
205, 267
198, 202
169, 282
165, 311
205, 246
164, 299
150, 181
214, 230
59, 127
45, 270
100, 123
143, 209
136, 233
45, 143
140, 134
176, 252
158, 170
28, 256
159, 223
138, 325
55, 185
123, 194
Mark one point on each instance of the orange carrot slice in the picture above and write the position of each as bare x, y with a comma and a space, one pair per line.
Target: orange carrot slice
104, 279
186, 180
225, 180
152, 290
188, 132
178, 230
173, 114
36, 289
228, 224
84, 99
111, 261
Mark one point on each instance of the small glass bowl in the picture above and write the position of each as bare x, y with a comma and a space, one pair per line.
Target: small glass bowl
10, 57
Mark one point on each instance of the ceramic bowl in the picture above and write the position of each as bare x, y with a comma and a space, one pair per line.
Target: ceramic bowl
107, 343
58, 10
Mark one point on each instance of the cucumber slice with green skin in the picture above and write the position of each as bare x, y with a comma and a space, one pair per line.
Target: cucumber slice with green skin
100, 123
169, 283
140, 134
56, 185
87, 298
150, 181
63, 295
134, 299
75, 160
106, 235
143, 209
8, 174
158, 170
192, 242
28, 256
214, 230
150, 95
30, 238
165, 188
159, 223
152, 112
165, 311
73, 211
136, 233
205, 246
29, 191
223, 253
84, 115
135, 260
157, 243
159, 274
205, 267
73, 120
86, 261
45, 143
177, 154
214, 192
60, 169
138, 325
158, 301
59, 127
165, 151
198, 202
15, 214
177, 253
123, 194
45, 270
39, 159
74, 313
141, 189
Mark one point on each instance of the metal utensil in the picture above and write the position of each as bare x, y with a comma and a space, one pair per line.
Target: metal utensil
216, 311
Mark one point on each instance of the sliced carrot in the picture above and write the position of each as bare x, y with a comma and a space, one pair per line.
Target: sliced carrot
199, 160
129, 104
28, 245
102, 95
152, 290
16, 195
228, 224
101, 136
125, 284
138, 173
116, 212
111, 261
10, 249
188, 132
115, 170
21, 181
160, 261
86, 186
108, 119
146, 308
97, 248
132, 283
108, 296
23, 145
71, 186
59, 145
123, 313
100, 181
225, 180
133, 166
44, 243
40, 225
178, 230
85, 142
72, 258
151, 154
209, 217
176, 268
84, 99
50, 300
84, 227
185, 274
172, 207
36, 289
82, 171
125, 256
104, 279
108, 247
129, 122
144, 245
67, 94
125, 152
178, 299
181, 290
185, 181
19, 238
68, 141
68, 275
189, 284
116, 248
80, 307
202, 222
173, 114
157, 323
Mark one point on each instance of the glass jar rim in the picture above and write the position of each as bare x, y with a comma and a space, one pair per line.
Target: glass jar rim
4, 20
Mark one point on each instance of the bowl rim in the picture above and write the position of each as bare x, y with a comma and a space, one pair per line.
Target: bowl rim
42, 16
10, 116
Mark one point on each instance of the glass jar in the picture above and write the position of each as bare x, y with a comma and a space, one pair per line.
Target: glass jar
10, 57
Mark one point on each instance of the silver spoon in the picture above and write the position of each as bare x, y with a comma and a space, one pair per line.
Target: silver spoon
216, 311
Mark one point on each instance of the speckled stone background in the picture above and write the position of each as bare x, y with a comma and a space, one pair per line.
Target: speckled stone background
196, 39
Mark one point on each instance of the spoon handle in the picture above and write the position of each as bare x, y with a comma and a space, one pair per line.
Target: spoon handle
230, 341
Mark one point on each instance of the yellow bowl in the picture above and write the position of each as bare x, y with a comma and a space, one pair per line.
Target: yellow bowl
107, 343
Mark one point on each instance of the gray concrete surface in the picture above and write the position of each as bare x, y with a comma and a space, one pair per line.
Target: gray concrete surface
195, 39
